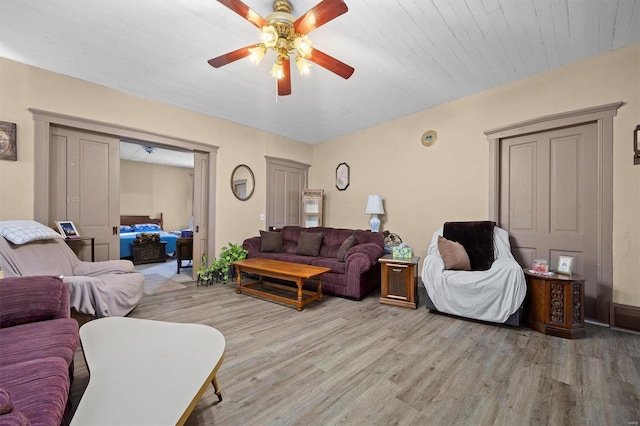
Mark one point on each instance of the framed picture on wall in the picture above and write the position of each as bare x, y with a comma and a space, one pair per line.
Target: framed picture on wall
565, 265
8, 147
67, 228
342, 176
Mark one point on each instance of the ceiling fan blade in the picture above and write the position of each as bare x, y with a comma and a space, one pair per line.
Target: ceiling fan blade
227, 58
284, 83
319, 15
331, 63
246, 12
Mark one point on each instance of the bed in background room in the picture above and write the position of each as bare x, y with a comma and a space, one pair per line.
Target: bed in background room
131, 226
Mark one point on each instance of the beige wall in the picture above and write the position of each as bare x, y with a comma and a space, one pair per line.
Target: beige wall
151, 189
23, 87
424, 187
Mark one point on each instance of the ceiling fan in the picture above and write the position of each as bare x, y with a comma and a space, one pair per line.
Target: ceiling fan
284, 34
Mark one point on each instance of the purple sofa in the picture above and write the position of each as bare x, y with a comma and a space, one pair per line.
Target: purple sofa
37, 342
354, 277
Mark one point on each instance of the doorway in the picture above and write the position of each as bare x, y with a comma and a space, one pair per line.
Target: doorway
206, 161
551, 185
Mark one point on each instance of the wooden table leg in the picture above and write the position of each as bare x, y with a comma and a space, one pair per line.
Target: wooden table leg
216, 388
239, 274
299, 282
319, 289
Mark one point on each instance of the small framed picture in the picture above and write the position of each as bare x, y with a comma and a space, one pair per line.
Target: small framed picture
342, 176
67, 229
565, 265
8, 149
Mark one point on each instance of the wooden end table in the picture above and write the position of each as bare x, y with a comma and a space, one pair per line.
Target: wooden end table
399, 277
554, 304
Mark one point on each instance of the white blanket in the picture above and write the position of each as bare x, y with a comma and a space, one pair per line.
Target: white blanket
492, 295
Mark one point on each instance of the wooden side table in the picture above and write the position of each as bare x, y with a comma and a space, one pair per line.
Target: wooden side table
554, 304
399, 277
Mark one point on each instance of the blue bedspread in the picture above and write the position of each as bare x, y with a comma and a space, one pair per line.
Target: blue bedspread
126, 238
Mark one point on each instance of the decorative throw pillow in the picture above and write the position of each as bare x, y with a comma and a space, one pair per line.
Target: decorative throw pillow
477, 240
24, 231
6, 406
454, 255
346, 245
270, 242
309, 243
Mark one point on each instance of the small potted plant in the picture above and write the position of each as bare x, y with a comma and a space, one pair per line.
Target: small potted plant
230, 253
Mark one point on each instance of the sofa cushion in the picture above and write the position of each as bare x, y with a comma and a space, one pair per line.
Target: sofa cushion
15, 418
43, 299
6, 406
345, 246
54, 338
309, 243
453, 254
477, 240
270, 242
330, 262
39, 389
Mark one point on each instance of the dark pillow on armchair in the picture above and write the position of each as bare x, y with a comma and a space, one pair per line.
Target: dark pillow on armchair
477, 240
345, 246
270, 242
309, 243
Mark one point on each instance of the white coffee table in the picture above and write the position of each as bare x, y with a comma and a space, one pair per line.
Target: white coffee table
145, 372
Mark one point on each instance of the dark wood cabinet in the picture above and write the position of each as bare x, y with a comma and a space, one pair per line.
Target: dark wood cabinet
399, 278
149, 252
554, 304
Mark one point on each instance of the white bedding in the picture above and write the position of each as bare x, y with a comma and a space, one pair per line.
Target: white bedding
492, 295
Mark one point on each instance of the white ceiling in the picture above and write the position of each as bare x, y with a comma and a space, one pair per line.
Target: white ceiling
145, 153
409, 55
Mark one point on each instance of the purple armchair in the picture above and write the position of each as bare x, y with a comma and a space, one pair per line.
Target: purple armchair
352, 276
38, 340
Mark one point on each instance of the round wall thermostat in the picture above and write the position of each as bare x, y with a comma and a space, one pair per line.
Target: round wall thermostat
429, 137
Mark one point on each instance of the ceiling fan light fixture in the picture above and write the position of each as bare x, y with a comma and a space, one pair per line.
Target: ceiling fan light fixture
303, 46
304, 66
269, 36
257, 53
277, 70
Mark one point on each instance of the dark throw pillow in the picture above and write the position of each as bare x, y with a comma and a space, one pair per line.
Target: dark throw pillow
309, 243
477, 240
346, 245
270, 242
454, 255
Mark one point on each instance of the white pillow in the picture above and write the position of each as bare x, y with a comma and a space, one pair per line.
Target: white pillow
24, 231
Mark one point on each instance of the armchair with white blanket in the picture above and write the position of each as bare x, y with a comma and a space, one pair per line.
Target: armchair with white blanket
494, 293
97, 289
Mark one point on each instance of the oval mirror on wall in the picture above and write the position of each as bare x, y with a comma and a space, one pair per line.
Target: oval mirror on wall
242, 182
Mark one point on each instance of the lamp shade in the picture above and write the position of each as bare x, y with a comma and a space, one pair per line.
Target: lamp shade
374, 205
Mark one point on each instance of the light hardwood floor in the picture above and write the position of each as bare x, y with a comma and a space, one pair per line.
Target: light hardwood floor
352, 363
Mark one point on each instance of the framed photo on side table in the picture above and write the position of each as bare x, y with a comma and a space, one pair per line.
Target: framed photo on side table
67, 229
565, 265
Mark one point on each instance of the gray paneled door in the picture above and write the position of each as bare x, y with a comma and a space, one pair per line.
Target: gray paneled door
85, 188
548, 200
285, 182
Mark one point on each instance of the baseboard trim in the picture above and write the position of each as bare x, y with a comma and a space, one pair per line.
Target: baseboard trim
625, 317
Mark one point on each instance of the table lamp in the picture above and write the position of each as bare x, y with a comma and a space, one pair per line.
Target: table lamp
374, 208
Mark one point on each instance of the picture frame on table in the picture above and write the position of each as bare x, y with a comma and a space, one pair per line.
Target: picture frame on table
67, 228
565, 265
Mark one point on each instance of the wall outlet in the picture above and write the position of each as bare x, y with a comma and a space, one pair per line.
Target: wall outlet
262, 217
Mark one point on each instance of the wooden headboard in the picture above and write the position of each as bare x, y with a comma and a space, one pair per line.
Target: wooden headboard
135, 220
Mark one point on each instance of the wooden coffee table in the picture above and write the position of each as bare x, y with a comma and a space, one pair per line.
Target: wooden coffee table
296, 272
144, 372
